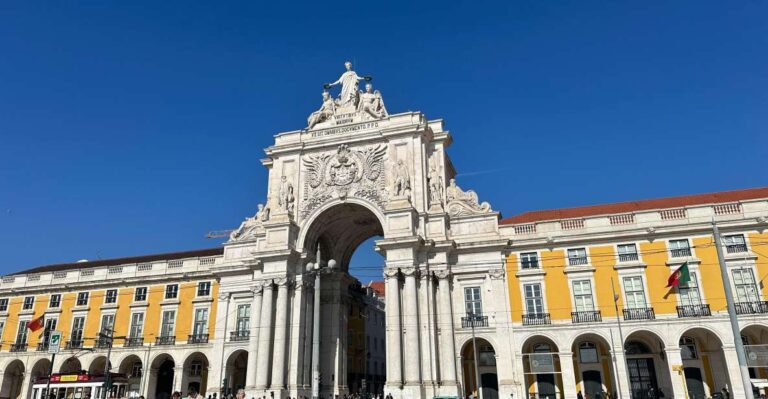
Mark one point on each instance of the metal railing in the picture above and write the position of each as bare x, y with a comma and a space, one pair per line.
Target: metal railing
630, 257
639, 314
577, 261
18, 347
587, 316
75, 344
736, 248
165, 340
680, 252
474, 320
42, 347
700, 310
102, 343
239, 335
198, 339
536, 319
756, 307
133, 342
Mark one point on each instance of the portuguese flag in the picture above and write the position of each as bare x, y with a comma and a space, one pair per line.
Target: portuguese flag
35, 324
681, 275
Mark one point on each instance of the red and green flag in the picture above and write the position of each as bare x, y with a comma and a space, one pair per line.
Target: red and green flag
681, 275
35, 324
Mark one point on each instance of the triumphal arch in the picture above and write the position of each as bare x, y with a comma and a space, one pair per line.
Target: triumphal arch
354, 172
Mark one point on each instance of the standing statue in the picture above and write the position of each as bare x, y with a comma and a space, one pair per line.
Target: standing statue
324, 113
371, 103
349, 82
402, 183
285, 197
435, 186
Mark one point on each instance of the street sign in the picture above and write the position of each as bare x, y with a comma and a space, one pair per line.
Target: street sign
54, 342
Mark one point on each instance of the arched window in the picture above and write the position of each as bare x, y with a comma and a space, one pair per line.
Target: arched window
688, 348
542, 348
636, 348
588, 353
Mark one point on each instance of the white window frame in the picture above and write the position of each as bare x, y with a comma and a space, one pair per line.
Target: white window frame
540, 298
195, 321
670, 249
163, 324
644, 290
58, 303
522, 263
474, 301
136, 294
574, 295
626, 244
4, 302
87, 296
568, 256
28, 306
133, 325
82, 330
22, 332
107, 297
751, 270
175, 291
744, 242
197, 289
695, 278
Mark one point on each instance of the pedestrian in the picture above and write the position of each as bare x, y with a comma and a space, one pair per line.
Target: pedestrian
579, 395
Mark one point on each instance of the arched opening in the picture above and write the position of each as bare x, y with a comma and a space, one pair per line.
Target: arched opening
755, 341
541, 365
98, 365
593, 365
70, 366
161, 377
13, 378
236, 368
39, 374
647, 365
484, 367
195, 375
133, 369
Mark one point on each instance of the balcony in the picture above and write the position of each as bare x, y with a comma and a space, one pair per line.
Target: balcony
103, 343
474, 321
756, 307
588, 316
536, 319
578, 261
133, 342
628, 257
700, 310
639, 314
736, 248
18, 347
42, 347
680, 252
75, 344
198, 339
165, 340
239, 335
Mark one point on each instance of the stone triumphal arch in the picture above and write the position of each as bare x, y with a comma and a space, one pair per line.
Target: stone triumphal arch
354, 173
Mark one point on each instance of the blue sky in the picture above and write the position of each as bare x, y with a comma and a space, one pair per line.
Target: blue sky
136, 128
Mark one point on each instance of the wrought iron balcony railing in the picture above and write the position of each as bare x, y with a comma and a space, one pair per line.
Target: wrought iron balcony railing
536, 319
198, 339
239, 335
755, 307
639, 314
131, 342
165, 340
700, 310
42, 347
680, 252
628, 257
474, 320
577, 261
103, 343
19, 347
587, 316
75, 344
736, 248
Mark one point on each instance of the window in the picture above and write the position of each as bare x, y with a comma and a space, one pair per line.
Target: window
689, 292
204, 288
735, 243
169, 317
137, 325
534, 303
679, 248
82, 298
140, 295
582, 296
29, 303
107, 323
171, 291
243, 318
588, 353
577, 256
744, 281
77, 331
50, 325
688, 348
136, 370
111, 296
21, 333
196, 368
55, 301
627, 252
3, 304
529, 260
201, 322
472, 301
635, 293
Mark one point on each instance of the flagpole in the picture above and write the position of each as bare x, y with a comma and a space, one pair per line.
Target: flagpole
621, 338
732, 316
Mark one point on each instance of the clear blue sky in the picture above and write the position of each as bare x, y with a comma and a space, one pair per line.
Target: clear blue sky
135, 128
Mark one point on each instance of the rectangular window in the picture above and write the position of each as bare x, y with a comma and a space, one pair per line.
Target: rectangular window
689, 292
111, 296
78, 323
82, 298
169, 318
577, 256
735, 243
50, 325
635, 292
3, 304
744, 282
140, 295
529, 260
204, 288
243, 318
171, 291
55, 301
472, 301
679, 248
534, 302
627, 252
21, 333
29, 303
137, 325
107, 323
201, 322
582, 296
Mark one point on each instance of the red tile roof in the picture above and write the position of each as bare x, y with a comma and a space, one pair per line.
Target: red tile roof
123, 261
636, 206
377, 287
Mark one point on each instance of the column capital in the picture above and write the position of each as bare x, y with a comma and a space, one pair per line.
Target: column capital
257, 288
282, 282
496, 274
391, 272
442, 274
410, 271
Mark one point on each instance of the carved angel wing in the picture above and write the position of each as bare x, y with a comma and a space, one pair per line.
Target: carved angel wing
374, 161
315, 167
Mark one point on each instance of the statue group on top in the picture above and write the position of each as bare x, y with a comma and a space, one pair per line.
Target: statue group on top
367, 104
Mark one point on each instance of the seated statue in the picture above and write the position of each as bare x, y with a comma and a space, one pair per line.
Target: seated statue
324, 113
371, 103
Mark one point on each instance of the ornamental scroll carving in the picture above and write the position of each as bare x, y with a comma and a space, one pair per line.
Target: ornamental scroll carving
347, 172
463, 203
251, 226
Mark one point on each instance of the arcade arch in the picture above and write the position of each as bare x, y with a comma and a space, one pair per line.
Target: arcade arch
13, 380
133, 369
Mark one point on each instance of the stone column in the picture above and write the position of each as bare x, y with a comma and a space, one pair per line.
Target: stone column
411, 328
447, 340
281, 330
675, 359
621, 377
178, 376
308, 320
734, 372
296, 343
253, 338
568, 375
25, 385
265, 338
394, 329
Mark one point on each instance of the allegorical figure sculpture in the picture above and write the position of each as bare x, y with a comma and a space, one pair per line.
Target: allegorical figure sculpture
371, 103
285, 198
463, 202
401, 186
324, 113
249, 225
349, 82
435, 186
